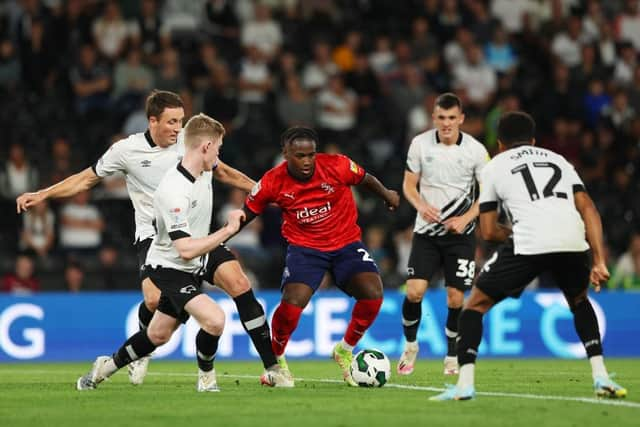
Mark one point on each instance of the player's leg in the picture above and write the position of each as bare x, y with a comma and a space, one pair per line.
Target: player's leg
503, 275
357, 274
211, 319
458, 252
138, 345
229, 276
424, 261
137, 370
571, 272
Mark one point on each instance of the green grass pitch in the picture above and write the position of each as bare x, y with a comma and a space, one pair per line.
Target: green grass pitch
520, 393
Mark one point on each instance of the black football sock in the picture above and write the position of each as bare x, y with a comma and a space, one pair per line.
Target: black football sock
411, 313
137, 346
586, 324
144, 316
469, 336
206, 348
451, 330
255, 323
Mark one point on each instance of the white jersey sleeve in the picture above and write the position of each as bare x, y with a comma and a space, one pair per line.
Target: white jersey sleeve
113, 160
481, 160
488, 197
414, 163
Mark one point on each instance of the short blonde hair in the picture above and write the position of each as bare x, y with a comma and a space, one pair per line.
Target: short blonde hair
201, 126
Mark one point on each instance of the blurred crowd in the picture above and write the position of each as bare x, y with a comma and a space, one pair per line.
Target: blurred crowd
365, 73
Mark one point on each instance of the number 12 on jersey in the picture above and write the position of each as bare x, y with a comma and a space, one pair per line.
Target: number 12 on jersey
547, 191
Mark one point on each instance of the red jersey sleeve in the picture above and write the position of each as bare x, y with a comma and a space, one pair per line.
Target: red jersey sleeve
260, 195
349, 171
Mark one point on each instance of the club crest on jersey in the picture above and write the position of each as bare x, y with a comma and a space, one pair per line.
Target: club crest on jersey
326, 187
313, 215
354, 166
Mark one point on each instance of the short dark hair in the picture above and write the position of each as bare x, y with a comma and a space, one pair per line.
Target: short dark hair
158, 100
298, 132
448, 100
516, 127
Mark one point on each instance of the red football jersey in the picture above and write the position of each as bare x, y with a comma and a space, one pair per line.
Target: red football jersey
320, 213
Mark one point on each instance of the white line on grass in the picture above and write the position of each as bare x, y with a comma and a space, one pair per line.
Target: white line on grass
591, 400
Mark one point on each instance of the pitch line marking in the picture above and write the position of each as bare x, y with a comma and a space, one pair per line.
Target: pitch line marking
592, 400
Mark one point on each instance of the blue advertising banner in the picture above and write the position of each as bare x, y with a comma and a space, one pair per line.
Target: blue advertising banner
69, 327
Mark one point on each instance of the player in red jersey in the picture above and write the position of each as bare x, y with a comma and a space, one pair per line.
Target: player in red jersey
319, 223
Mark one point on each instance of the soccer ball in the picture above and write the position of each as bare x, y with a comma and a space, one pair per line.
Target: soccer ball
370, 368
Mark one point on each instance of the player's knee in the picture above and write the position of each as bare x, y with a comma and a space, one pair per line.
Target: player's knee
237, 285
414, 295
159, 336
213, 324
151, 300
455, 298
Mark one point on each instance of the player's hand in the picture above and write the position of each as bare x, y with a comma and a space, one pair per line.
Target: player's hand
599, 275
456, 224
234, 219
428, 212
392, 200
26, 200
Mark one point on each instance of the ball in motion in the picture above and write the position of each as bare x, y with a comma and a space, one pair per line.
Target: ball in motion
370, 368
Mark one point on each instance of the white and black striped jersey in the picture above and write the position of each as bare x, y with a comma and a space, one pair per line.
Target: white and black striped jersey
536, 187
448, 175
182, 207
144, 164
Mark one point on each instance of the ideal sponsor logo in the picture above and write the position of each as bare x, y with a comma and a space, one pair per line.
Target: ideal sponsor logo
306, 215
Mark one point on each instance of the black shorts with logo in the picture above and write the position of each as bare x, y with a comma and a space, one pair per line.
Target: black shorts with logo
142, 247
506, 274
177, 289
217, 257
455, 253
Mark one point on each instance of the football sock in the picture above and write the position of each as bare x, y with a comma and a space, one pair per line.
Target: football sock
469, 336
346, 345
144, 316
586, 324
255, 323
363, 314
138, 345
206, 348
597, 367
411, 313
451, 330
466, 377
285, 320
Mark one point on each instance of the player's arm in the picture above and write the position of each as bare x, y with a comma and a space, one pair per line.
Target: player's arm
410, 190
189, 247
66, 188
391, 197
490, 229
457, 224
233, 177
593, 227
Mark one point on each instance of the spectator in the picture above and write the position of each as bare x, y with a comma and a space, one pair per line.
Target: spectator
91, 82
475, 79
262, 32
295, 106
81, 226
38, 230
9, 65
74, 276
22, 281
316, 73
112, 33
17, 175
628, 24
337, 110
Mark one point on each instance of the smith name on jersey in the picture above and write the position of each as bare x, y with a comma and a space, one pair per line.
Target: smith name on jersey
536, 187
448, 174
